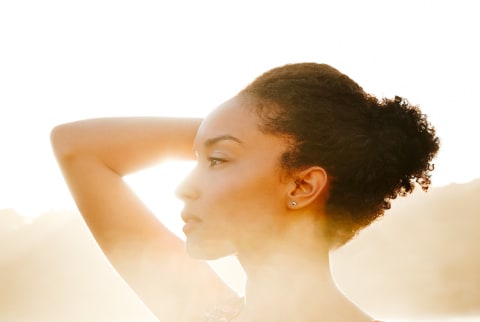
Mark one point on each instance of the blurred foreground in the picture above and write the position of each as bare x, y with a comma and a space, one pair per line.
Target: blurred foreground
420, 262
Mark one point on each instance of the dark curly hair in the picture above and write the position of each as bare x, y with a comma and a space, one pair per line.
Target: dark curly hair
372, 150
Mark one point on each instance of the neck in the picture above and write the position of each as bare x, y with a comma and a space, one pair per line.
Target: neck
286, 283
284, 280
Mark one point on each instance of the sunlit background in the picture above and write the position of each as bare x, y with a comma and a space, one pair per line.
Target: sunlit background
62, 61
66, 60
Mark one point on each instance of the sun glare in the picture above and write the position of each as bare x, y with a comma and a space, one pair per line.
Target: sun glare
156, 187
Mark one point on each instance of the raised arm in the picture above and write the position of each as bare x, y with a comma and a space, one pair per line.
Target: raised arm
94, 155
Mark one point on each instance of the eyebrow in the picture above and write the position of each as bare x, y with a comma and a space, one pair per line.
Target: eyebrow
226, 137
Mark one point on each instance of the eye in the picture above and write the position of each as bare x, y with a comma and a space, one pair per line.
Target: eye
215, 161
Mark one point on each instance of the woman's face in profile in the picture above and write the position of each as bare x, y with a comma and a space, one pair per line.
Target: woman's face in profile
235, 196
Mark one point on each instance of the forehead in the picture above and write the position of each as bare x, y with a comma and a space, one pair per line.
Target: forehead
232, 118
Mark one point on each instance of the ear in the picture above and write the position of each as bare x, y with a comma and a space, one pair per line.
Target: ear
309, 186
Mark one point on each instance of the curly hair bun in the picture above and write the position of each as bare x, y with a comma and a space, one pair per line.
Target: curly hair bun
407, 141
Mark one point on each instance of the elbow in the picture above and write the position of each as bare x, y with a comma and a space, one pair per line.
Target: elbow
61, 141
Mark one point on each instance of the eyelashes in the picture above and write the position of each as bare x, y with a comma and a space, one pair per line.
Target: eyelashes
213, 161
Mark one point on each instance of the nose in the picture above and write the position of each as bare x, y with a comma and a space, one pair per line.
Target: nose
188, 188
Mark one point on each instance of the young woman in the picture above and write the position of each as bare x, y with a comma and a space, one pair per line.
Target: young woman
290, 168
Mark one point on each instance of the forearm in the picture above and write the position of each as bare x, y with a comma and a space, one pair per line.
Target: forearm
126, 145
94, 155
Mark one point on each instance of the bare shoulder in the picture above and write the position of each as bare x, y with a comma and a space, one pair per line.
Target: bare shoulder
174, 286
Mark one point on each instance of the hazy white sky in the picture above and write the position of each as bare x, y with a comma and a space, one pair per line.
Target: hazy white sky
66, 60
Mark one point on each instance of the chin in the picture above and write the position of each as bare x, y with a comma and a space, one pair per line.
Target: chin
209, 250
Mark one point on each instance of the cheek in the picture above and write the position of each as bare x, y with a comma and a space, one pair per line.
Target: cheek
246, 197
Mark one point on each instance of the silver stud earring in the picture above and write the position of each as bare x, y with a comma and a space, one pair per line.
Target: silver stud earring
293, 203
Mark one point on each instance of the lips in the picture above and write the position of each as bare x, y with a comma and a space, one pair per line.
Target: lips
186, 216
190, 222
